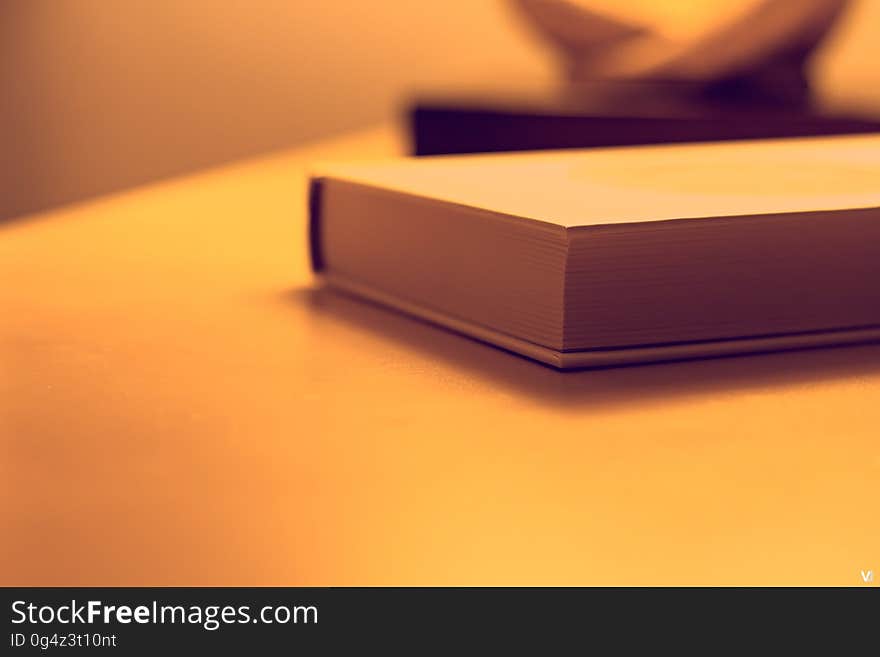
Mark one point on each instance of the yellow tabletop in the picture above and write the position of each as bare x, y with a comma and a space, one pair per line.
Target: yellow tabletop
180, 405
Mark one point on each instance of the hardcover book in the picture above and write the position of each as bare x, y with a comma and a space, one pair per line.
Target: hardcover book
617, 115
620, 255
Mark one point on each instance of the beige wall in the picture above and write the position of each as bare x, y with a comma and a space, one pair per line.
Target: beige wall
98, 95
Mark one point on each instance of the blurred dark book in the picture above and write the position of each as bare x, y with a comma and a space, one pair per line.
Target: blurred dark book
618, 114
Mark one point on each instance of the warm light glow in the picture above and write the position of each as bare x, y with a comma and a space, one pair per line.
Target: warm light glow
675, 18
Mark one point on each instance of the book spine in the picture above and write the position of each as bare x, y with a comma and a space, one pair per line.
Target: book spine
315, 247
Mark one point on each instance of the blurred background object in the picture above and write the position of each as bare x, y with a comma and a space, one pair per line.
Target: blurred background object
762, 53
99, 96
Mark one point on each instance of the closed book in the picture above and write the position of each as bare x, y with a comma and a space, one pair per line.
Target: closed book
598, 257
618, 115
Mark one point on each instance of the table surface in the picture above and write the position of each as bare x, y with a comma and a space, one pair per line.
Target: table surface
180, 404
